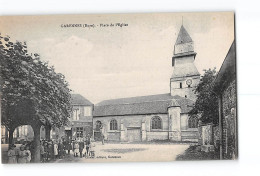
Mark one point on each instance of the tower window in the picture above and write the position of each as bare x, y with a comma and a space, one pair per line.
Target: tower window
188, 85
180, 85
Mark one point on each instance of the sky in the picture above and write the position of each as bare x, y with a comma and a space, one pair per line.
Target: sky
115, 62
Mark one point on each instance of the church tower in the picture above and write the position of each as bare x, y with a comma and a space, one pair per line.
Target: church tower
185, 76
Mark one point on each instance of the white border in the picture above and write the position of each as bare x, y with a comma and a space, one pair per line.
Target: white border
248, 60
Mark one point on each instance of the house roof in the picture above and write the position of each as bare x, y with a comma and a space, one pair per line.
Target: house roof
227, 72
77, 99
152, 104
183, 36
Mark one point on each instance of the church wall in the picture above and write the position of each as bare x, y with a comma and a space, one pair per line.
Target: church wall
184, 121
185, 90
125, 123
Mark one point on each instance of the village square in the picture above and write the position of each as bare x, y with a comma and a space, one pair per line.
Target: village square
43, 121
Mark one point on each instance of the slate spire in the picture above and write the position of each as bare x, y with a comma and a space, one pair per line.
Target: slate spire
183, 36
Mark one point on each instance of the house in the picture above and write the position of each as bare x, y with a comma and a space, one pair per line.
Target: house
225, 88
80, 121
155, 117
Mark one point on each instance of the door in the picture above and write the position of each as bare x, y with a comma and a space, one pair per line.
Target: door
134, 134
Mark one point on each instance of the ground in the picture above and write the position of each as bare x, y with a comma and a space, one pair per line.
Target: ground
117, 152
194, 153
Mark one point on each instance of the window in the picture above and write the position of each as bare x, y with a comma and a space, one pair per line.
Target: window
79, 131
156, 123
98, 125
76, 113
87, 111
113, 124
180, 85
193, 122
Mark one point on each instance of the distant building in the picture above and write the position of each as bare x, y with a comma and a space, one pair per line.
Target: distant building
225, 87
80, 122
21, 133
155, 117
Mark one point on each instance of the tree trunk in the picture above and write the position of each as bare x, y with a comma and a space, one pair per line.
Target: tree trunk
36, 143
47, 132
11, 137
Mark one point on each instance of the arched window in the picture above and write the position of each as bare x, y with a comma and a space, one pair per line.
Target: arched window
193, 122
113, 124
98, 125
156, 123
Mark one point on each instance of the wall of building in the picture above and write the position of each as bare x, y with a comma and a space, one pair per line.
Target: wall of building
182, 48
125, 123
229, 122
185, 90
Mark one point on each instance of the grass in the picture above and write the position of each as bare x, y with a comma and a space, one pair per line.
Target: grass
194, 153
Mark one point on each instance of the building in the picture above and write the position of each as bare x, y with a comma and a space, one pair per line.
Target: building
80, 122
225, 88
155, 117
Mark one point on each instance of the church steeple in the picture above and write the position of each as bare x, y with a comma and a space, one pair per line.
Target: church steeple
185, 76
183, 43
183, 36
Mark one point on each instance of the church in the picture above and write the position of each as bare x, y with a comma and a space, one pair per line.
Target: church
155, 117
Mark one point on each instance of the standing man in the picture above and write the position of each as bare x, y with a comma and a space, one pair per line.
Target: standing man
81, 146
103, 138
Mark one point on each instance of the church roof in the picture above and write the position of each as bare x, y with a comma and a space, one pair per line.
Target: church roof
152, 104
183, 36
77, 99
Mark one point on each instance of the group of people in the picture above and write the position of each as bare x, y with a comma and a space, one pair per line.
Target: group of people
51, 150
83, 148
19, 155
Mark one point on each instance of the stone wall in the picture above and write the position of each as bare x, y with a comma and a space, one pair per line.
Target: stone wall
229, 122
125, 123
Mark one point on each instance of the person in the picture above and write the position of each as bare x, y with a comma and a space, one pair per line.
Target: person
12, 153
50, 151
69, 145
61, 149
22, 156
103, 138
84, 151
81, 146
28, 154
43, 152
55, 148
87, 145
76, 149
91, 150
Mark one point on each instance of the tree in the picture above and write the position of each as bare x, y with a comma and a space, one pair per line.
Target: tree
206, 104
32, 93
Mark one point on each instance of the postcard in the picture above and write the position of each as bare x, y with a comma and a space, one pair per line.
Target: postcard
118, 87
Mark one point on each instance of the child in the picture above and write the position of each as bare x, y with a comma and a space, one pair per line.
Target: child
28, 154
76, 149
12, 154
91, 150
22, 157
84, 151
56, 150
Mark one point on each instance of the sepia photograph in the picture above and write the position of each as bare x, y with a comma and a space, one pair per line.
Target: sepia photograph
135, 87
